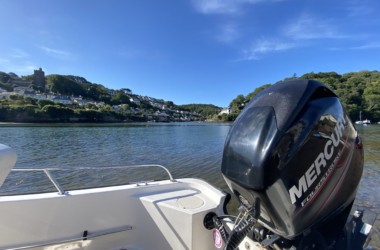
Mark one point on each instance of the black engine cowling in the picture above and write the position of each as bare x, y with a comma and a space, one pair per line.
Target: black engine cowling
294, 155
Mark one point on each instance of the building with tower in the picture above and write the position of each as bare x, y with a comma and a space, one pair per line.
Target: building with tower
39, 78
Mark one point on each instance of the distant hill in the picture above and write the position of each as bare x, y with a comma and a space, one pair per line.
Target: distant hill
71, 85
205, 110
358, 92
4, 77
77, 86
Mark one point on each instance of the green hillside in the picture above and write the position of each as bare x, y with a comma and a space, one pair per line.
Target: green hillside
358, 91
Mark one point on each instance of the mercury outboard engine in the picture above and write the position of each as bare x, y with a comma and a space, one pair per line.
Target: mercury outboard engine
294, 161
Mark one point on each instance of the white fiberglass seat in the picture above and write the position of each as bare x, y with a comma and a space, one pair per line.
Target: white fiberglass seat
7, 161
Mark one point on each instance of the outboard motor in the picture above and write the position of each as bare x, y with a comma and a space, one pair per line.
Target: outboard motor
294, 161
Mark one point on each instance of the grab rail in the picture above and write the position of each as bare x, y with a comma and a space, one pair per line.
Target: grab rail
59, 188
86, 236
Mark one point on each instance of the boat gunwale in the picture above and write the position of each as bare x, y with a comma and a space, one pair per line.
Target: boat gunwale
62, 191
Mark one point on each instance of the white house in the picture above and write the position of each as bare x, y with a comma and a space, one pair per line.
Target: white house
135, 100
23, 90
62, 99
225, 111
37, 96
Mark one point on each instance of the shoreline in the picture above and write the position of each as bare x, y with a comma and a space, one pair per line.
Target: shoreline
99, 124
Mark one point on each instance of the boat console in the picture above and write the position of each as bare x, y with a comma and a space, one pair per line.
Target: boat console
7, 161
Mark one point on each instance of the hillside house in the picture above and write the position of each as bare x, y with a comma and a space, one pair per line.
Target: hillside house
226, 111
135, 100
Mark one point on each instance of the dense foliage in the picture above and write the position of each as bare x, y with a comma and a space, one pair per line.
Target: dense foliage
358, 91
4, 77
78, 86
205, 110
20, 109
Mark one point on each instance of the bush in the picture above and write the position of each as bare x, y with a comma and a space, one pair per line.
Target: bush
43, 103
55, 111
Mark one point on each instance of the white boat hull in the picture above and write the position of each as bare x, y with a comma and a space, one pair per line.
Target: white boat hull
159, 215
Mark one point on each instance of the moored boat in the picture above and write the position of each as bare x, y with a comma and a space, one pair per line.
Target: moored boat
362, 122
366, 122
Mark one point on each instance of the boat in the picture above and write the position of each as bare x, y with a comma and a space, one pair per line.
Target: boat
292, 158
366, 122
362, 122
164, 214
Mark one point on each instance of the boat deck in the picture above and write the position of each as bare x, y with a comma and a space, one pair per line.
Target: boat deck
153, 215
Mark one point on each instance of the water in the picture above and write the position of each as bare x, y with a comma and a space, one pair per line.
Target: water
187, 149
368, 196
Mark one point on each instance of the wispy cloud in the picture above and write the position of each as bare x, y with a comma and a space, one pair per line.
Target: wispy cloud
216, 6
21, 68
223, 6
310, 27
361, 8
61, 54
4, 61
229, 33
17, 61
367, 46
265, 46
293, 35
137, 54
374, 45
18, 53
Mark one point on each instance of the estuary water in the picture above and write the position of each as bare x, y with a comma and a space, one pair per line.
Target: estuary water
186, 149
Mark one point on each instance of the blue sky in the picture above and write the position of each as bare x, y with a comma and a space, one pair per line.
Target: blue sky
189, 51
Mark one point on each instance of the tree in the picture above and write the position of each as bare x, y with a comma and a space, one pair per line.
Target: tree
358, 91
238, 103
120, 98
124, 109
64, 86
15, 97
90, 115
256, 91
205, 110
372, 95
126, 90
13, 75
331, 79
55, 111
91, 106
170, 104
43, 103
4, 77
106, 108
